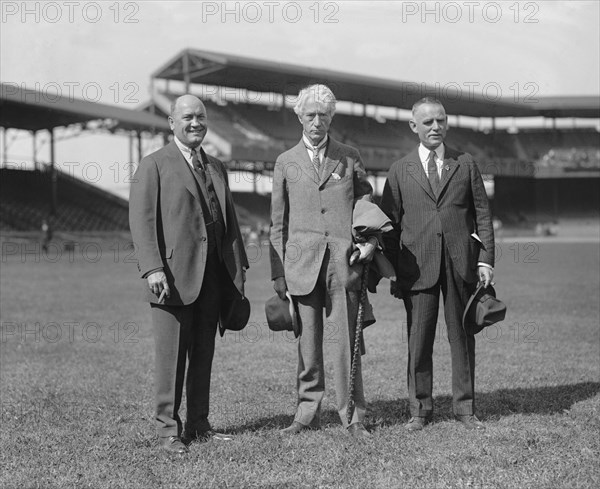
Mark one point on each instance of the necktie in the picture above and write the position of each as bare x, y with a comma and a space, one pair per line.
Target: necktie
197, 165
316, 161
432, 172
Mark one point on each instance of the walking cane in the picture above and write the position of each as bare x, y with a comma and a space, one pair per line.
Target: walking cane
357, 337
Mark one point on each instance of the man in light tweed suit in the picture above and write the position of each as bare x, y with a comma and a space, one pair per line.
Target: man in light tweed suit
443, 240
315, 186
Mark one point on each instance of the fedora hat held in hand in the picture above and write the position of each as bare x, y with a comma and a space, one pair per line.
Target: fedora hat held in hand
482, 310
235, 314
281, 315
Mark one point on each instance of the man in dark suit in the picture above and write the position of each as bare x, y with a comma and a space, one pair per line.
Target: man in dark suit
191, 255
443, 240
315, 186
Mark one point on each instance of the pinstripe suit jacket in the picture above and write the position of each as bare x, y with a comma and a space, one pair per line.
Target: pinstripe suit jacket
310, 213
424, 222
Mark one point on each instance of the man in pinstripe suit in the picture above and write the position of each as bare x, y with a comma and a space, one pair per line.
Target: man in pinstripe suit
443, 240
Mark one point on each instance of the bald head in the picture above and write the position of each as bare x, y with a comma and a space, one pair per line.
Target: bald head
188, 120
182, 100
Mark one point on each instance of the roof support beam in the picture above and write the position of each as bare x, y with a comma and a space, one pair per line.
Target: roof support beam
34, 156
186, 71
139, 140
53, 176
4, 147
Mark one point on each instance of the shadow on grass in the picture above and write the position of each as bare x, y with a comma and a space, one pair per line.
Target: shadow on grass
490, 405
329, 418
535, 400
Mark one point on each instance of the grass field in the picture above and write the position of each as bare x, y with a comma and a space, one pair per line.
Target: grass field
76, 385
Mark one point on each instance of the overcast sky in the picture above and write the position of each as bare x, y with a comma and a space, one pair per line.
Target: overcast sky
106, 51
547, 47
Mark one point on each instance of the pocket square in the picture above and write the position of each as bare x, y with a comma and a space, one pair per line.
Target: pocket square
335, 176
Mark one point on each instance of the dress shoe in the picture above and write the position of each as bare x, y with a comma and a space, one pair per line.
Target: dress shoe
218, 436
470, 422
296, 427
417, 423
206, 435
173, 444
358, 430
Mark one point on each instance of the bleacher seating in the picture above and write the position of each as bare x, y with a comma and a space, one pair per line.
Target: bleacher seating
279, 124
25, 203
571, 150
253, 209
26, 196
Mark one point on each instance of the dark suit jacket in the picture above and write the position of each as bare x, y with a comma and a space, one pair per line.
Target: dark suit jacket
421, 219
310, 214
168, 228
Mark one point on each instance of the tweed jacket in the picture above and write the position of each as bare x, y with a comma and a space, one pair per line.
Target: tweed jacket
311, 213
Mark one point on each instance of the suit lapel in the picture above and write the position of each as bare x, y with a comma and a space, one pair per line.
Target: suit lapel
414, 168
330, 161
448, 169
182, 169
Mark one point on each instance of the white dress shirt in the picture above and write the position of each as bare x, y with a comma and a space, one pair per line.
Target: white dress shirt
439, 158
187, 152
320, 147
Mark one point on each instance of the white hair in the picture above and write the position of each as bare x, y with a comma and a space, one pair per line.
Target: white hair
318, 92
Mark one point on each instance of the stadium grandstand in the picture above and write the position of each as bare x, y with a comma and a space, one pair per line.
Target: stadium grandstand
532, 174
29, 196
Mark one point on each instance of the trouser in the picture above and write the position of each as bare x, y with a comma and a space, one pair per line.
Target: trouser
187, 333
422, 313
341, 308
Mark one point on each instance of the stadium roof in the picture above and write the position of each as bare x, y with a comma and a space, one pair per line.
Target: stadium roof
578, 106
23, 108
209, 68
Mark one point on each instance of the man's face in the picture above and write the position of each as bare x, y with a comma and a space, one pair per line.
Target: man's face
430, 123
315, 119
188, 121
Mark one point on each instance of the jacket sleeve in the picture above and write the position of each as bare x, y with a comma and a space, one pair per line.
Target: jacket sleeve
144, 215
232, 219
279, 221
391, 204
483, 217
362, 188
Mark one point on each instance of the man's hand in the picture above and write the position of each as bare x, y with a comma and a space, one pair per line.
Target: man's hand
395, 289
157, 282
486, 274
366, 252
280, 287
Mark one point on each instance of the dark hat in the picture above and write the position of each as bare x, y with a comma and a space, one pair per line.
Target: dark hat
235, 313
281, 315
482, 310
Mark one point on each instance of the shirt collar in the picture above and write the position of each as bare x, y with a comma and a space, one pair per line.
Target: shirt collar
187, 151
310, 146
424, 152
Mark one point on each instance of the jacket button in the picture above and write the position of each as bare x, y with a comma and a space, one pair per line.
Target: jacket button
439, 234
326, 233
322, 211
203, 238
